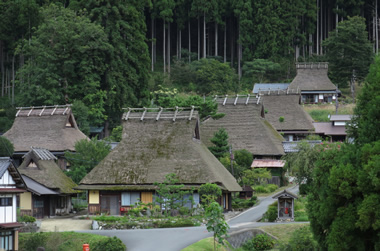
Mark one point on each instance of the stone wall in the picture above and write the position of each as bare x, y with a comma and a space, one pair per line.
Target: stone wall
236, 239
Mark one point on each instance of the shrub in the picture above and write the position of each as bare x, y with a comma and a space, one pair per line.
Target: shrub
209, 192
34, 241
281, 119
271, 187
301, 239
271, 214
303, 188
179, 223
26, 218
259, 242
261, 189
301, 216
184, 211
238, 203
110, 244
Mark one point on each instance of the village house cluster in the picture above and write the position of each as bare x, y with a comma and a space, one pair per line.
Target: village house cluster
156, 142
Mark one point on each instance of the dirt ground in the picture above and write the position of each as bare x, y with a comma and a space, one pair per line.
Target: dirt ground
68, 224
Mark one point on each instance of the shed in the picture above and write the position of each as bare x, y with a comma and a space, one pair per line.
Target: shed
285, 205
155, 142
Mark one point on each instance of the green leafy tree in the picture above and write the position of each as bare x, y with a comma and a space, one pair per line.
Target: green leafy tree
88, 153
125, 80
209, 193
66, 56
212, 76
170, 195
302, 163
256, 176
6, 147
348, 50
261, 69
366, 121
80, 111
216, 223
242, 161
343, 202
220, 141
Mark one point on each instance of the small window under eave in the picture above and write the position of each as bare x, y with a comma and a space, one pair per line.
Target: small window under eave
70, 122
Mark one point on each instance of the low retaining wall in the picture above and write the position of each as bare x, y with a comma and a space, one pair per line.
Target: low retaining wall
236, 239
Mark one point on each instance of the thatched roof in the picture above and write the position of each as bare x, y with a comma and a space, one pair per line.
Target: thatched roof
39, 165
52, 128
287, 106
312, 77
246, 127
151, 148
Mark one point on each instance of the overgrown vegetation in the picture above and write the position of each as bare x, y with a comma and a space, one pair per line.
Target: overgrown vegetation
259, 242
66, 241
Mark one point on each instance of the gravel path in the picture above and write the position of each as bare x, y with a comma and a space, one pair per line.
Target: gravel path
68, 224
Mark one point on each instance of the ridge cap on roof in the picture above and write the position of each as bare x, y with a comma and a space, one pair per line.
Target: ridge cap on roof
44, 110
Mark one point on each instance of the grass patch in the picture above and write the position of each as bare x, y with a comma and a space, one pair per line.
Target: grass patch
63, 241
205, 245
284, 231
320, 112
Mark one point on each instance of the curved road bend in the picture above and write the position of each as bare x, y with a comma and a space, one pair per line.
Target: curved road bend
175, 239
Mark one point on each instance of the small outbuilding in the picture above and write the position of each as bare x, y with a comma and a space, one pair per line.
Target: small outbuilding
285, 205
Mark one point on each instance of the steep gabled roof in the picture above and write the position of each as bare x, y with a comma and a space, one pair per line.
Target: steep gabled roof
53, 128
6, 164
154, 144
287, 106
246, 127
39, 165
312, 77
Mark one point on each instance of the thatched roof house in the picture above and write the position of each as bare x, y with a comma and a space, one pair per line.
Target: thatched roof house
246, 125
313, 82
50, 127
46, 181
156, 143
296, 124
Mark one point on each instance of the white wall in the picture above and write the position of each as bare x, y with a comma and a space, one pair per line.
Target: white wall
7, 180
8, 214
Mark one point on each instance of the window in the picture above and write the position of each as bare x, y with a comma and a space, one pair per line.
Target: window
129, 198
6, 202
6, 240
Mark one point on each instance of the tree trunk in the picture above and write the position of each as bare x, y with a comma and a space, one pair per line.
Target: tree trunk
155, 44
204, 34
321, 26
164, 44
239, 50
2, 68
216, 39
152, 59
189, 42
232, 41
13, 79
199, 38
317, 40
377, 29
168, 58
180, 44
225, 42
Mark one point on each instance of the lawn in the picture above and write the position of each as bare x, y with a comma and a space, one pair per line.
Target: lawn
320, 112
63, 241
204, 245
283, 231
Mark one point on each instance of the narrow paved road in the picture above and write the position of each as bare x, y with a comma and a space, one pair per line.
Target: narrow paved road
175, 239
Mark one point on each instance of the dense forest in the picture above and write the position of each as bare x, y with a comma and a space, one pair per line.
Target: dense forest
106, 55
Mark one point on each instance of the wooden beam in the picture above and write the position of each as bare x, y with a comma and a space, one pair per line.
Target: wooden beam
159, 114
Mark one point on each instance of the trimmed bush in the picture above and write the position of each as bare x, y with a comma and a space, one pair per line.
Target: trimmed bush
184, 211
259, 242
110, 244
